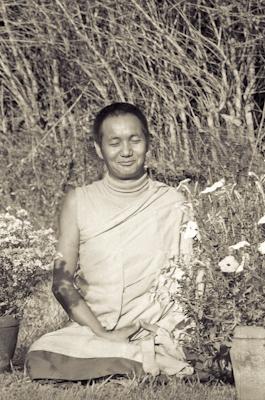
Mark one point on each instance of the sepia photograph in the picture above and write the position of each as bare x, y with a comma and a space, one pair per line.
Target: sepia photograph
132, 199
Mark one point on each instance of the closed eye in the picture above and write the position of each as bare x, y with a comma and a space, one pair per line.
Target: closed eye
114, 143
136, 139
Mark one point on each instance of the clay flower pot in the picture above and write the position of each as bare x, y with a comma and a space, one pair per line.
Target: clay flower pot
8, 340
248, 362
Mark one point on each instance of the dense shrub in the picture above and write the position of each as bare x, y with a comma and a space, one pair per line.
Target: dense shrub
223, 286
196, 68
25, 257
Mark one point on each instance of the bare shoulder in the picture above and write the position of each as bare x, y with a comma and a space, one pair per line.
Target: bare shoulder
67, 218
69, 200
68, 207
68, 238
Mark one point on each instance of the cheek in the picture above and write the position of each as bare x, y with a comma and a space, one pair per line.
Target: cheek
141, 151
110, 153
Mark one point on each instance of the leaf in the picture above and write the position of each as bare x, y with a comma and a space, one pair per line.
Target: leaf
239, 245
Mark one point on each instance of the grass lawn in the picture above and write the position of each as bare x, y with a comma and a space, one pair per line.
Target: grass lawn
14, 386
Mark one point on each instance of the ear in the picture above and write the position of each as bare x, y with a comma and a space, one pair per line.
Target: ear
147, 157
98, 150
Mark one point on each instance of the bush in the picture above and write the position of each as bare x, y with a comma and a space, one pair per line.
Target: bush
224, 286
25, 257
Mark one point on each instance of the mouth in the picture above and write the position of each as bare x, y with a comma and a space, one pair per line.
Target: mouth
126, 163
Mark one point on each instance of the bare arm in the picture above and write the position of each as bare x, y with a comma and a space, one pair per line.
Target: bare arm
63, 275
65, 266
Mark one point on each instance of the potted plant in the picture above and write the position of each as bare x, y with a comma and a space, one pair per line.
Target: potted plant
25, 258
222, 292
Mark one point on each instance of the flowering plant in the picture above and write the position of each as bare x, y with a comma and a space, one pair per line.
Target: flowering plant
224, 285
25, 257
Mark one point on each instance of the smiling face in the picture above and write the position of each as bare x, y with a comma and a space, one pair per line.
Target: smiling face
123, 146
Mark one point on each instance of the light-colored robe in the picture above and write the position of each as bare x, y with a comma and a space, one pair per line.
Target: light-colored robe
126, 237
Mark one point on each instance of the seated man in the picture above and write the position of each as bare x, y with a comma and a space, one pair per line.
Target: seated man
123, 229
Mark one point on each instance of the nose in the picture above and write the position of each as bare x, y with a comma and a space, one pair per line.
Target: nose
126, 150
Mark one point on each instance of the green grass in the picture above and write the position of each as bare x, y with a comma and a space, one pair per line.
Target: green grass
15, 386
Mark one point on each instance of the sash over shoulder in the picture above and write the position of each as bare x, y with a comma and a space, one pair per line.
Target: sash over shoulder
126, 238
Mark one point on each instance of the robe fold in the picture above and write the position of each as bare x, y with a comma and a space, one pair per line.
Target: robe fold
127, 234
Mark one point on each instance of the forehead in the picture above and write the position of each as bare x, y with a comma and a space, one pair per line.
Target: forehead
117, 125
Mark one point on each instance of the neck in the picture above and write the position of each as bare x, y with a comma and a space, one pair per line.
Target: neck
126, 185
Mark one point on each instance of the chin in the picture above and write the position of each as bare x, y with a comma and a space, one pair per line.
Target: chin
128, 175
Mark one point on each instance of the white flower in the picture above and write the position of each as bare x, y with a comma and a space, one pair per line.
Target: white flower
199, 282
261, 248
183, 182
26, 223
214, 187
3, 224
229, 264
9, 217
253, 175
173, 287
239, 245
47, 267
22, 213
191, 230
16, 263
261, 221
240, 267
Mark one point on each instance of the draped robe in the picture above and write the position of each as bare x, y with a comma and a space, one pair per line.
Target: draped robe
127, 234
